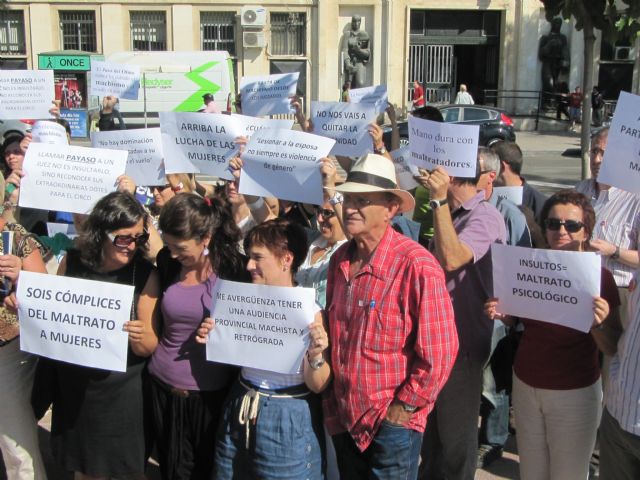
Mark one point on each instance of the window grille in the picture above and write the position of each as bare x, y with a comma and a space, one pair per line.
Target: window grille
78, 30
148, 31
12, 32
288, 33
218, 31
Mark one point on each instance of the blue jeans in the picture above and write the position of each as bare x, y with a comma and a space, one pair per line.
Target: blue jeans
286, 441
393, 454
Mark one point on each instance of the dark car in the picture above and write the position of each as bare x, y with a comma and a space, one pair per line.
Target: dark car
495, 125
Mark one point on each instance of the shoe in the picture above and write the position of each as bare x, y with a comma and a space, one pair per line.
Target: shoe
487, 454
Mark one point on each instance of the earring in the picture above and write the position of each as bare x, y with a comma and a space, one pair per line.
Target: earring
205, 252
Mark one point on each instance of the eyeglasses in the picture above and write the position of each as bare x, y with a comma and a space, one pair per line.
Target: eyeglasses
357, 201
325, 212
123, 241
571, 226
160, 187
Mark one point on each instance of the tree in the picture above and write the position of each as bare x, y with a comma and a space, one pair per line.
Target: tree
613, 19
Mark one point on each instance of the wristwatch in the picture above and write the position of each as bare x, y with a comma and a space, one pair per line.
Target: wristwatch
434, 204
336, 199
382, 150
316, 364
616, 255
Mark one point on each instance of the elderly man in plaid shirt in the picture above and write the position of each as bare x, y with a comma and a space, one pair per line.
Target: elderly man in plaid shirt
392, 331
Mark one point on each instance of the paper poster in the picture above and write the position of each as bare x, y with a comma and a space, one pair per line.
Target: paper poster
284, 164
53, 133
76, 321
260, 326
449, 145
404, 170
510, 193
376, 96
549, 285
68, 229
115, 79
268, 94
144, 145
621, 163
26, 94
68, 178
346, 123
249, 125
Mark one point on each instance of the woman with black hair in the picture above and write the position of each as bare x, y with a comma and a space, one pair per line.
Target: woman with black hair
186, 391
97, 427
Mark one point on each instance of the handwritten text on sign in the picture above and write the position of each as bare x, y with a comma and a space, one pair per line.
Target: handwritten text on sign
260, 326
284, 164
76, 321
621, 162
26, 94
346, 123
451, 146
68, 178
53, 133
549, 285
108, 78
268, 95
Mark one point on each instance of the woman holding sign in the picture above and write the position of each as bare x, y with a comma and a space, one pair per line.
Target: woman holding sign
97, 427
271, 426
186, 391
557, 392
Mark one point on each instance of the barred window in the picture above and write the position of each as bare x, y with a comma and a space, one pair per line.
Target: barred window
78, 30
148, 31
288, 33
218, 31
12, 32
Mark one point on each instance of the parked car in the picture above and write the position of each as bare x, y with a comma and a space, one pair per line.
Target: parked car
495, 124
8, 127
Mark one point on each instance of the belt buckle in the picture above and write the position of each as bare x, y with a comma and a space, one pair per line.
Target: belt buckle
178, 392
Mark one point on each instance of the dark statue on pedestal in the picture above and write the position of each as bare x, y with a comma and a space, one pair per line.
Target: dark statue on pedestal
356, 51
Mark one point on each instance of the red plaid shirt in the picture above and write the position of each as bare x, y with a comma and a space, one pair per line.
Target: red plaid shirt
393, 336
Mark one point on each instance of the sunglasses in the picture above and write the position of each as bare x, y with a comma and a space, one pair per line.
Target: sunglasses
325, 212
123, 241
571, 226
160, 187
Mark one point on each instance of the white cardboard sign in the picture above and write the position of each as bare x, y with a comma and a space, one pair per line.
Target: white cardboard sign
376, 96
451, 146
284, 164
548, 285
510, 193
109, 78
68, 178
68, 229
74, 320
260, 326
268, 94
145, 160
49, 132
404, 170
26, 94
249, 125
346, 123
197, 143
621, 163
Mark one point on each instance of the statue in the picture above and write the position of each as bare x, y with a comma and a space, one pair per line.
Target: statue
356, 52
553, 52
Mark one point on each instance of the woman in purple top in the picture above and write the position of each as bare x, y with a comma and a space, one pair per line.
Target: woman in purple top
186, 391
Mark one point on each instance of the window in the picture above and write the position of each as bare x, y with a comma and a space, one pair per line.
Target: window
288, 33
78, 30
12, 32
450, 114
148, 31
475, 114
218, 31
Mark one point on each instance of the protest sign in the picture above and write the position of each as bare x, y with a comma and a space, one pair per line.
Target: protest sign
553, 286
249, 125
268, 95
284, 164
197, 143
76, 321
510, 193
376, 96
404, 170
26, 94
68, 229
346, 123
52, 133
68, 178
451, 146
108, 78
260, 326
621, 163
144, 163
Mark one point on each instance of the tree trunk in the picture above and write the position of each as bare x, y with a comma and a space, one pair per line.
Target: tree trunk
587, 87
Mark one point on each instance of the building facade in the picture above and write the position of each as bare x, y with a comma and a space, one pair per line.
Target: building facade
490, 45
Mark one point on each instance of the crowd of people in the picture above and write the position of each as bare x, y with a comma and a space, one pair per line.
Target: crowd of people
407, 348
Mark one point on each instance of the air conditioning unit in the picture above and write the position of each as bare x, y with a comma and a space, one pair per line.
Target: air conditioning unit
253, 39
624, 53
253, 16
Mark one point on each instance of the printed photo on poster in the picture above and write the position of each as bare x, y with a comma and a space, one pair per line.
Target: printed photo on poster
70, 90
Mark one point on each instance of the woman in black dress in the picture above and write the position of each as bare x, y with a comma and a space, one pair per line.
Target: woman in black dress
97, 426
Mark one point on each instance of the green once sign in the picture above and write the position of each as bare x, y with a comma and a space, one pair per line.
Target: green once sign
55, 62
